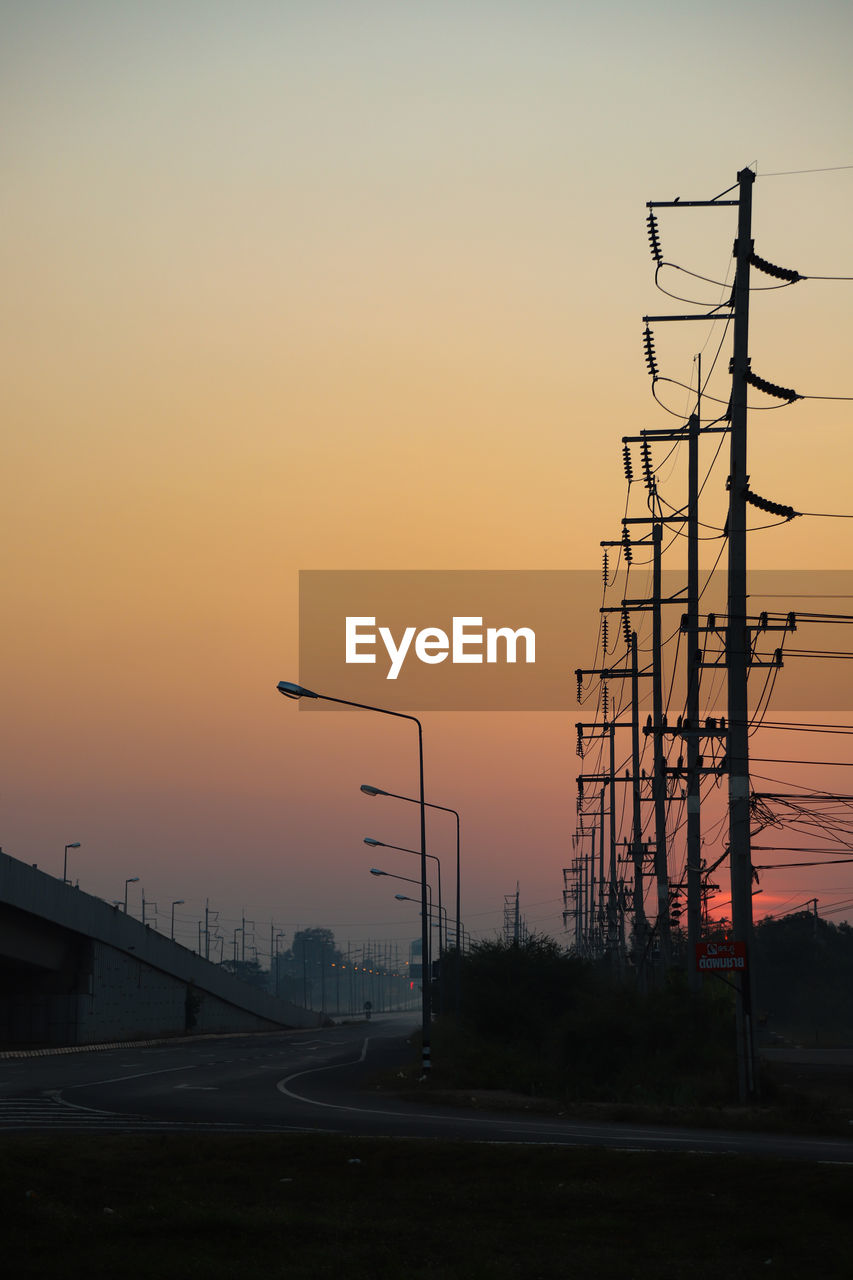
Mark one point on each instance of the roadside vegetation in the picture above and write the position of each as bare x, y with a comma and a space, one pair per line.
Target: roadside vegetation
804, 979
537, 1021
544, 1026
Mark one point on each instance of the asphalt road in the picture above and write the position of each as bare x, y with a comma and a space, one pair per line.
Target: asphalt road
311, 1081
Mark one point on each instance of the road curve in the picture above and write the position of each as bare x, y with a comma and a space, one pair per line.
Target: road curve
317, 1081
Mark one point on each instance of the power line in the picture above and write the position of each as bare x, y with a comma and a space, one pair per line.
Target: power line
788, 173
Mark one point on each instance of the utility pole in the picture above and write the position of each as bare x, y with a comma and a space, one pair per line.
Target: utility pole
694, 821
601, 871
637, 848
590, 892
738, 646
655, 725
612, 893
659, 780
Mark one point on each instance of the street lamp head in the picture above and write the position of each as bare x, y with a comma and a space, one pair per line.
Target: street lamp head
179, 902
75, 845
376, 844
372, 791
403, 897
132, 880
374, 871
294, 690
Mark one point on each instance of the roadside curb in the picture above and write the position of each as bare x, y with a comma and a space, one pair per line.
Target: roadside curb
7, 1054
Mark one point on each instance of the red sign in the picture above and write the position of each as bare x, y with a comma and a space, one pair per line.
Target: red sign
720, 955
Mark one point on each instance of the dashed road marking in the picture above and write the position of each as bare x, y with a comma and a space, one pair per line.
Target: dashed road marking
56, 1115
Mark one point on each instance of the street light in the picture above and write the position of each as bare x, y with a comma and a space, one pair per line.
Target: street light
375, 871
381, 844
377, 791
282, 934
74, 845
297, 691
179, 902
130, 880
404, 897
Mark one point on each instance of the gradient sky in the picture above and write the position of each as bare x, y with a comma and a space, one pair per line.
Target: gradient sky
359, 286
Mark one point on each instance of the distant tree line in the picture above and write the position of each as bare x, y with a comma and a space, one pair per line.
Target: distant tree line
804, 977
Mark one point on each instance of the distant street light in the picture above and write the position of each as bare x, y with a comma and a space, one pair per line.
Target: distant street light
277, 961
130, 880
74, 845
179, 902
297, 691
381, 844
404, 897
375, 871
377, 791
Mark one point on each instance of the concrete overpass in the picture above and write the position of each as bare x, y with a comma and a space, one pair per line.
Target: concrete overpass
75, 970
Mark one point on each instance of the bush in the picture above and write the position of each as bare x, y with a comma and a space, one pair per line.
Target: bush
537, 1020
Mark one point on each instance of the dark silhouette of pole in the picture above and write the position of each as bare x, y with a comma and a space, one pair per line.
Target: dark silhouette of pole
738, 644
613, 889
179, 902
297, 691
590, 893
694, 821
659, 780
601, 872
377, 791
75, 844
382, 844
637, 849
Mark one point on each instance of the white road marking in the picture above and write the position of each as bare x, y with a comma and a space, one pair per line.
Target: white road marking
520, 1127
91, 1084
56, 1114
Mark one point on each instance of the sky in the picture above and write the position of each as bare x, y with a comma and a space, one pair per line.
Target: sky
297, 286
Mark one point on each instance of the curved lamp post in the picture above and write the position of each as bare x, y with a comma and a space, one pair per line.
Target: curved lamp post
130, 880
381, 844
290, 690
377, 791
427, 955
179, 902
404, 897
74, 845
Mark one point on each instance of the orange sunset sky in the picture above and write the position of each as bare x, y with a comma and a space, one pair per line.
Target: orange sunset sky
359, 286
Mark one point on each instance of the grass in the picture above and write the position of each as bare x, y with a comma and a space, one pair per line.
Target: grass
470, 1071
311, 1206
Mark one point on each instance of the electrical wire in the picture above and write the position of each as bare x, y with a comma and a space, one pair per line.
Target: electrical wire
787, 173
757, 288
757, 408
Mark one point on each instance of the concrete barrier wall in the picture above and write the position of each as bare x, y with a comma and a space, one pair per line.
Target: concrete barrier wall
138, 981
